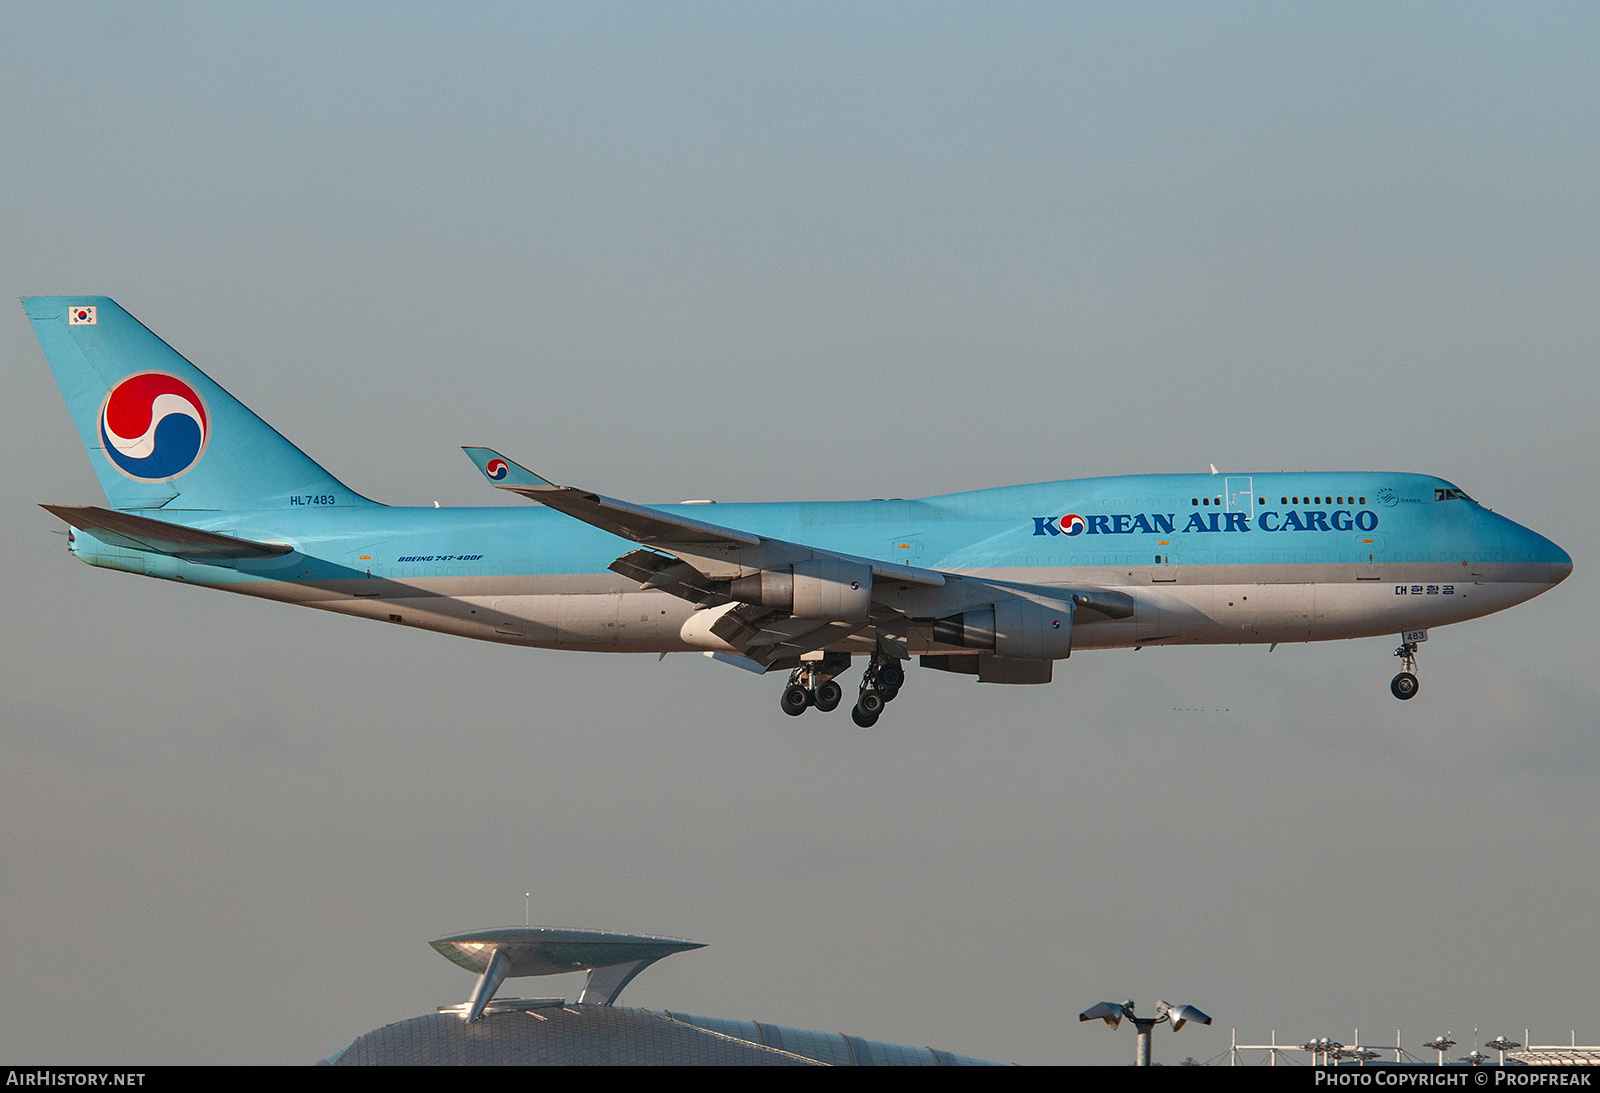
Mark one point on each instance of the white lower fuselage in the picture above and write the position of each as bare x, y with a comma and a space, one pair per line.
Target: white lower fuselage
1285, 604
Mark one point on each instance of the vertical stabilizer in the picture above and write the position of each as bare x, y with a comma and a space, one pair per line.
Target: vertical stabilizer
159, 432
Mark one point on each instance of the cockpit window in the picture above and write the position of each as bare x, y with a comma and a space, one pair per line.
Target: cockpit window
1451, 494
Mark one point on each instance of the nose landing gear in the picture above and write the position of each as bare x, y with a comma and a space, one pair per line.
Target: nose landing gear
1404, 686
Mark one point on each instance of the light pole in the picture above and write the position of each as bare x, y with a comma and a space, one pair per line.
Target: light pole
1502, 1045
1112, 1014
1441, 1044
1323, 1046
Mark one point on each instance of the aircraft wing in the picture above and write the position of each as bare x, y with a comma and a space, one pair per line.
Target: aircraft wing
159, 537
751, 585
716, 552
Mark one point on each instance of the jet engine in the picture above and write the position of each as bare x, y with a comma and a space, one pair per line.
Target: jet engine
1020, 629
823, 588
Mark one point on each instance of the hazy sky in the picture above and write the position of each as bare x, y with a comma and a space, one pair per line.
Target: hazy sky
824, 251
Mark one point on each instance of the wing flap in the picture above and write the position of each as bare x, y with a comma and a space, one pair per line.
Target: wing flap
667, 574
767, 636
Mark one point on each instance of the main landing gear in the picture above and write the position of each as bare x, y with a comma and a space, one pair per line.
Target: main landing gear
1404, 685
880, 684
812, 684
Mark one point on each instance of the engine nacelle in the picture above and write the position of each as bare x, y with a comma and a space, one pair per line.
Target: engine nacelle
1019, 629
823, 588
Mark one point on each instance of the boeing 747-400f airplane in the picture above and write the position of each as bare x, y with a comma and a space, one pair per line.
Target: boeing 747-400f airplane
997, 583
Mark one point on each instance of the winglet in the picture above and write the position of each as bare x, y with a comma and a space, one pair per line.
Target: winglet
504, 473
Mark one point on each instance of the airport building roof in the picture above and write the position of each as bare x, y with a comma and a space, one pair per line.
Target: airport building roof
490, 1031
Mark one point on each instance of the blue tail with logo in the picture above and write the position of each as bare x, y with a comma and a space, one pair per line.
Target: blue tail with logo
159, 432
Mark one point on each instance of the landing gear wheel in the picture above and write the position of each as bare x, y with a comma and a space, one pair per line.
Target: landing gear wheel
795, 700
865, 720
828, 696
1404, 685
880, 683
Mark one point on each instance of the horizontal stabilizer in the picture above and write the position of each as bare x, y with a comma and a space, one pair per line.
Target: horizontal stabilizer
159, 537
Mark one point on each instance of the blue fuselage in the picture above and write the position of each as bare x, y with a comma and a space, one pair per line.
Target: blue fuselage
1207, 558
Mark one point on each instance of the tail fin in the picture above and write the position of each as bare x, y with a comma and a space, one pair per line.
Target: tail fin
159, 432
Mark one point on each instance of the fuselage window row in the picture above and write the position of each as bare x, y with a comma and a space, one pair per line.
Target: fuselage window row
1204, 501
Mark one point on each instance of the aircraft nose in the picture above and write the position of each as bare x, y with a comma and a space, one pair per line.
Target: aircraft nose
1529, 546
1560, 564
